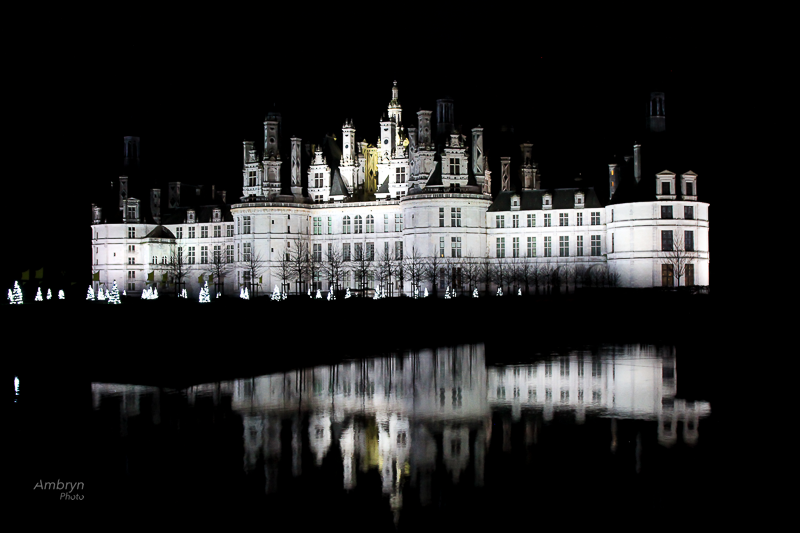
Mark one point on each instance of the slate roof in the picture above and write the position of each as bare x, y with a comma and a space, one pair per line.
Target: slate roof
384, 188
435, 179
532, 200
338, 187
160, 232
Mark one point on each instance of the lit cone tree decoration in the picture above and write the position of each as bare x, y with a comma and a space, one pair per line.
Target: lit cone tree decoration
90, 293
155, 293
276, 294
447, 294
204, 296
60, 294
10, 297
100, 296
114, 296
330, 293
147, 294
183, 294
499, 291
218, 295
309, 293
246, 293
38, 297
475, 292
319, 295
377, 295
17, 294
426, 292
49, 295
519, 292
124, 293
241, 293
283, 295
347, 294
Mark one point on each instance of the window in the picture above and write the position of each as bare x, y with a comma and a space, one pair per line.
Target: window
501, 247
318, 198
131, 247
455, 246
155, 260
515, 247
131, 232
595, 218
246, 224
400, 175
689, 188
370, 224
318, 180
612, 243
386, 222
251, 178
317, 252
317, 225
358, 227
204, 254
217, 257
191, 232
346, 224
398, 222
229, 253
514, 221
330, 225
246, 248
547, 222
666, 211
455, 217
163, 259
563, 246
358, 251
666, 241
500, 221
548, 243
217, 231
230, 230
612, 215
665, 187
330, 251
667, 276
579, 245
579, 219
441, 217
531, 246
563, 219
689, 275
455, 165
688, 241
204, 232
131, 261
531, 221
346, 251
595, 244
370, 251
179, 232
688, 212
191, 255
441, 246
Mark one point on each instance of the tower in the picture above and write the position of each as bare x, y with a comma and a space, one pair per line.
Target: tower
656, 118
424, 159
155, 205
637, 161
395, 111
130, 151
529, 173
388, 136
297, 185
444, 116
272, 156
250, 170
424, 135
348, 163
613, 179
319, 177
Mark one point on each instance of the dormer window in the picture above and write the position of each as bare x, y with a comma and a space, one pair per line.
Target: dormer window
190, 216
547, 201
665, 185
689, 185
515, 202
217, 216
579, 196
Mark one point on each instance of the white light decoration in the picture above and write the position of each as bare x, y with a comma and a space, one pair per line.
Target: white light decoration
155, 293
426, 292
218, 295
147, 294
283, 295
10, 297
90, 293
331, 296
246, 293
319, 295
276, 294
49, 295
447, 294
499, 291
183, 294
38, 297
241, 293
17, 299
124, 293
519, 292
347, 294
309, 292
114, 296
204, 297
475, 292
100, 296
60, 294
377, 295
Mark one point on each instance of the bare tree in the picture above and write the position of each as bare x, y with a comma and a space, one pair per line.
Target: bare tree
362, 268
470, 272
486, 272
333, 267
414, 267
536, 275
524, 273
283, 269
677, 258
298, 252
253, 264
433, 271
218, 268
456, 269
384, 268
178, 267
579, 275
399, 272
502, 272
314, 266
547, 272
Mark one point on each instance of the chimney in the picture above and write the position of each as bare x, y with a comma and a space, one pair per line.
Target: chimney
174, 194
213, 193
97, 214
505, 173
637, 161
527, 166
155, 205
613, 179
123, 190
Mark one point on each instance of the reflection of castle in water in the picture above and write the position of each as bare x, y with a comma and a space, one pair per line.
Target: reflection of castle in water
396, 413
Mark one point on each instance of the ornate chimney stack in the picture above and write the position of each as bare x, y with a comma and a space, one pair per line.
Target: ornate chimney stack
505, 173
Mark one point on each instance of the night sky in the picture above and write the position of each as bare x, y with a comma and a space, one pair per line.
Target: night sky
194, 95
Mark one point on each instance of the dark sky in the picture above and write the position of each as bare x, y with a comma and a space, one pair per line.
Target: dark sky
193, 97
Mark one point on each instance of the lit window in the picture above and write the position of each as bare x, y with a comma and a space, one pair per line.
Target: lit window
370, 224
191, 232
531, 221
455, 217
548, 243
501, 247
317, 225
547, 223
455, 247
441, 246
531, 246
514, 221
203, 232
563, 219
563, 246
515, 247
595, 245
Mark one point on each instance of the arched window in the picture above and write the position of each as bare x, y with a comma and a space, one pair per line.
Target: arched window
357, 225
346, 224
370, 224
